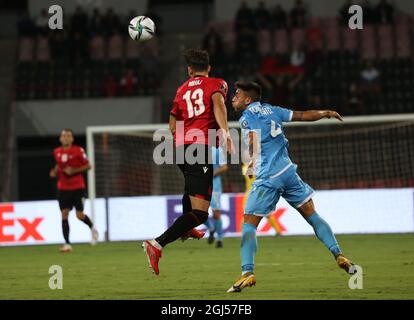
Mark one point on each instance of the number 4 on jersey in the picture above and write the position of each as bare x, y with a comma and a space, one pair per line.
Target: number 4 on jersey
274, 130
197, 97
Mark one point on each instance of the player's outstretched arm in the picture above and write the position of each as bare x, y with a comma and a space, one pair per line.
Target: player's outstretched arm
220, 113
314, 115
223, 168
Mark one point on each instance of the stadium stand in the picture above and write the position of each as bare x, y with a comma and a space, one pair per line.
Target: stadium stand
385, 41
78, 64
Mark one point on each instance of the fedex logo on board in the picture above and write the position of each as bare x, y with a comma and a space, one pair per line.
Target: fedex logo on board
17, 229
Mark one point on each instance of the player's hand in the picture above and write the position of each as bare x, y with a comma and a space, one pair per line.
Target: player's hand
334, 114
53, 173
250, 169
69, 171
230, 145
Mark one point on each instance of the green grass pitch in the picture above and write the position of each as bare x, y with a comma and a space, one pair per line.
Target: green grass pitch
286, 268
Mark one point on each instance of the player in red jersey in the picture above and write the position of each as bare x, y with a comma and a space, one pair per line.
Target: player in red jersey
71, 163
199, 106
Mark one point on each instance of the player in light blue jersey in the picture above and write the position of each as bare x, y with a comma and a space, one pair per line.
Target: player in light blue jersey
276, 175
216, 226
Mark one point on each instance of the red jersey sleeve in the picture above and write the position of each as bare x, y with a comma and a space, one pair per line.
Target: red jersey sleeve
83, 159
175, 110
219, 85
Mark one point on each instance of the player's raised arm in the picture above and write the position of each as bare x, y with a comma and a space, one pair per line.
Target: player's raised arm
53, 172
172, 123
314, 115
253, 153
220, 113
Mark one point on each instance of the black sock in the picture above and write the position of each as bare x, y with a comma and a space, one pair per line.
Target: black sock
182, 225
87, 221
65, 228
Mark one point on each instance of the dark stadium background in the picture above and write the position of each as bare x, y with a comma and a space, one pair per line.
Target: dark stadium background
355, 72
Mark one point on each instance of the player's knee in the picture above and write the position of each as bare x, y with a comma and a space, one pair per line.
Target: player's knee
307, 209
216, 214
80, 215
202, 216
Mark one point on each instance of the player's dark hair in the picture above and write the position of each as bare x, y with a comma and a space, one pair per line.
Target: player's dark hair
69, 130
197, 59
251, 88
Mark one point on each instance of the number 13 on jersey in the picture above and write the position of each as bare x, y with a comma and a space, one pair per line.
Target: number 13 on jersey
195, 104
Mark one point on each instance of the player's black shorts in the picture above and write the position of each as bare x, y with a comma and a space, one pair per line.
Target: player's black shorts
198, 177
71, 198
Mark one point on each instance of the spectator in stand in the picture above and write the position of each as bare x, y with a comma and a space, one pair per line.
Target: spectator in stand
354, 104
111, 23
298, 15
128, 83
262, 17
42, 23
110, 86
298, 57
281, 91
343, 12
370, 80
213, 44
79, 48
25, 25
96, 23
370, 15
313, 60
385, 12
79, 22
244, 17
316, 101
58, 45
246, 46
279, 18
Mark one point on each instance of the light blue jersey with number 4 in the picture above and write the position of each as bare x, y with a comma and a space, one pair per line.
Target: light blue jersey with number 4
266, 120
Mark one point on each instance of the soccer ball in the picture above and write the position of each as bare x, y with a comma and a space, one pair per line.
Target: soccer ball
141, 28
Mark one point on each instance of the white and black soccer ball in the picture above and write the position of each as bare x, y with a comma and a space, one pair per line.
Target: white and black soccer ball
141, 28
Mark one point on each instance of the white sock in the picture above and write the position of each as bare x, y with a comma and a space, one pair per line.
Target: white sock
156, 244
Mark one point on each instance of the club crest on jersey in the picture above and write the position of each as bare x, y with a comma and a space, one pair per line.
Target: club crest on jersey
244, 124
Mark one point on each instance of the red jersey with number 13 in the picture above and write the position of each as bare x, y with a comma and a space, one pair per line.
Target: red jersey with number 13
193, 105
74, 157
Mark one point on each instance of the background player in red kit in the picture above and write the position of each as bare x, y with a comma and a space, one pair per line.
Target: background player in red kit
199, 104
71, 163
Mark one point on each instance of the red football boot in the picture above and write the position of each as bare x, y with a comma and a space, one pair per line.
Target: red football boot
193, 234
153, 255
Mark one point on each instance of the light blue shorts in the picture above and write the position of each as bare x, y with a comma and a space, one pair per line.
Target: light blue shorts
265, 194
215, 202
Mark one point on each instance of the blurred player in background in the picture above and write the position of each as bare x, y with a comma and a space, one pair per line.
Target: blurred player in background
216, 225
71, 164
248, 181
275, 175
199, 104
